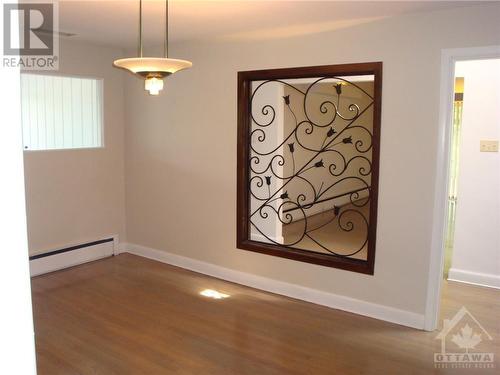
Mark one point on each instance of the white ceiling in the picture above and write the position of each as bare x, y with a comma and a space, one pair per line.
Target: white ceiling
115, 22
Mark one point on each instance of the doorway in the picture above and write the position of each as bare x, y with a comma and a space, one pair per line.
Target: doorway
445, 229
475, 176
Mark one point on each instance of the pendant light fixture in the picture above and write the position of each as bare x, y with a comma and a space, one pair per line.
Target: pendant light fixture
152, 69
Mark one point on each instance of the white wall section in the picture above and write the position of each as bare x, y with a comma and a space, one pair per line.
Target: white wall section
17, 344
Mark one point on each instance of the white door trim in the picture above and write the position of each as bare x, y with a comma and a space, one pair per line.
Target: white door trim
448, 59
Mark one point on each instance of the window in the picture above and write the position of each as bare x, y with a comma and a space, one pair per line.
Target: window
61, 112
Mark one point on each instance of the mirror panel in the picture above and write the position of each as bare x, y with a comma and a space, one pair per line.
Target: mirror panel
308, 162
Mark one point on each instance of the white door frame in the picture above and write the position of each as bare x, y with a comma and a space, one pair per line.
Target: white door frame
440, 214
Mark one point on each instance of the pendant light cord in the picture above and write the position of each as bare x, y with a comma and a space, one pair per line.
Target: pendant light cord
165, 47
140, 29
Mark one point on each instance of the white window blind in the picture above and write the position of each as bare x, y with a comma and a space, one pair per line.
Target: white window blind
61, 112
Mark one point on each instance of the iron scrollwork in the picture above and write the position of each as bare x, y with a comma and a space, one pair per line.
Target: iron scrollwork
310, 164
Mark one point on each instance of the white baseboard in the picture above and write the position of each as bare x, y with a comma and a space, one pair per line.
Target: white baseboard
72, 258
476, 278
120, 248
335, 301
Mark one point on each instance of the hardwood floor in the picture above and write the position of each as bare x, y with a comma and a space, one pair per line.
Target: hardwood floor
129, 315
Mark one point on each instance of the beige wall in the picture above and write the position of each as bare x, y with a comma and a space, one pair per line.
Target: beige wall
78, 195
181, 149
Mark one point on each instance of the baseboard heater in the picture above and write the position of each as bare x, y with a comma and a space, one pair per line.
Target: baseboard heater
70, 256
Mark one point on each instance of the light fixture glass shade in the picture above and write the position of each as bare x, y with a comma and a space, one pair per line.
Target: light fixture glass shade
153, 85
152, 64
152, 69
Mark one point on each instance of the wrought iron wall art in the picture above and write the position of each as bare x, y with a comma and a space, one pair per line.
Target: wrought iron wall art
308, 152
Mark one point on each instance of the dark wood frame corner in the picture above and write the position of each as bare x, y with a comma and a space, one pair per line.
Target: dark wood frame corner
243, 198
